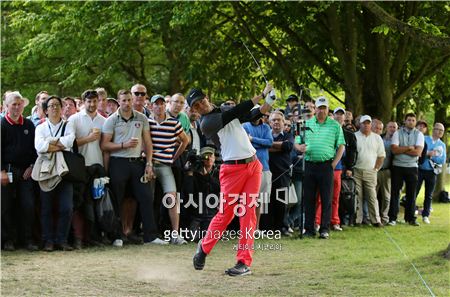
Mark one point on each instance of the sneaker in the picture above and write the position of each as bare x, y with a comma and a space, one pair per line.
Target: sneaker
324, 235
290, 230
426, 220
285, 232
240, 269
178, 240
118, 243
392, 223
157, 241
199, 257
336, 228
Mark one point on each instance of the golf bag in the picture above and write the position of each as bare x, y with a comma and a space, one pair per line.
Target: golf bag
347, 200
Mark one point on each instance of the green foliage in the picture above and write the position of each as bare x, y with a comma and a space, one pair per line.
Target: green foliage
66, 47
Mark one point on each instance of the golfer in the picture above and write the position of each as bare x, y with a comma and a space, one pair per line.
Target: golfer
240, 174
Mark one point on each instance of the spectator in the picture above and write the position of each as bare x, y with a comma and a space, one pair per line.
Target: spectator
111, 106
69, 107
377, 126
292, 102
165, 132
344, 165
279, 164
312, 107
17, 158
102, 102
205, 182
407, 145
87, 125
37, 113
384, 174
139, 93
52, 137
422, 126
370, 159
124, 133
287, 126
261, 139
324, 146
431, 166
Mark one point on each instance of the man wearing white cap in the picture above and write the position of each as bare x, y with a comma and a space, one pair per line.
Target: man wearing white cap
371, 154
324, 146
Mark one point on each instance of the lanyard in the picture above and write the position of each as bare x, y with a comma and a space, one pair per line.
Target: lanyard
57, 131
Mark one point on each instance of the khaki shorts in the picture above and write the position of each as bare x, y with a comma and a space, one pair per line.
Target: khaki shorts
165, 177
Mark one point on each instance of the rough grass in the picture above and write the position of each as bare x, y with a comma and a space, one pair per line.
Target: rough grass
357, 262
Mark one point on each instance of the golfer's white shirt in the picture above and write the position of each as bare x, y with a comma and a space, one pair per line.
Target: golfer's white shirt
235, 144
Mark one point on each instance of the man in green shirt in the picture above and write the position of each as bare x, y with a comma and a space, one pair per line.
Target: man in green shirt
324, 146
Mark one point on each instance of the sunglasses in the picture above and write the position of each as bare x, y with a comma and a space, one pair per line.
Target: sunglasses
137, 94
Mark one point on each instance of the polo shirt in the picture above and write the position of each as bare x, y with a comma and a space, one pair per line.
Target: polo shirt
123, 130
434, 145
183, 118
322, 139
164, 138
370, 148
82, 125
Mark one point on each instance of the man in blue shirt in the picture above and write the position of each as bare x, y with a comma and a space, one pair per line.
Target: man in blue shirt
428, 171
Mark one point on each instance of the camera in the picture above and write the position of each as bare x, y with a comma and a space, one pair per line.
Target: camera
194, 161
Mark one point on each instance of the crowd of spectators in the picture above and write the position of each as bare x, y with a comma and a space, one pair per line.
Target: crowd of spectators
162, 173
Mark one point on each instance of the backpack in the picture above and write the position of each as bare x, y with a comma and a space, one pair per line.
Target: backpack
443, 197
347, 199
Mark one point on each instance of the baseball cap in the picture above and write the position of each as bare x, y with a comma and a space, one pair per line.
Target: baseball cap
113, 100
194, 95
338, 109
365, 118
207, 150
156, 97
321, 101
292, 97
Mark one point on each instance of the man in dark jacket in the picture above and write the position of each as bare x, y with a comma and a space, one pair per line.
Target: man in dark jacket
18, 156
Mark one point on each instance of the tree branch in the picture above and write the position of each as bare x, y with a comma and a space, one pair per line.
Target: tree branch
395, 24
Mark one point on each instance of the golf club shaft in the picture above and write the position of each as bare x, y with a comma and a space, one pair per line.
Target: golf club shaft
256, 61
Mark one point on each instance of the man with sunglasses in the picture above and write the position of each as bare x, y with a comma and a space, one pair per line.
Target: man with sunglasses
139, 94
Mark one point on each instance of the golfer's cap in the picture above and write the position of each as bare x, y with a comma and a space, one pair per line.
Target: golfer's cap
194, 95
321, 101
338, 109
207, 150
365, 118
156, 98
292, 97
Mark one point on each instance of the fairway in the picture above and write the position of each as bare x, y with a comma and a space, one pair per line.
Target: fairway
360, 261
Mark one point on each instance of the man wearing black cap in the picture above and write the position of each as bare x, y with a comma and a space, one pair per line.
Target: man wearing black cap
291, 101
240, 174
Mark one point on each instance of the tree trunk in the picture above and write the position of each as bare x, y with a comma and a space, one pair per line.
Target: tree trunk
441, 103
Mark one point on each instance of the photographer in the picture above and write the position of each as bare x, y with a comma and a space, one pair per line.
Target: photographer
204, 180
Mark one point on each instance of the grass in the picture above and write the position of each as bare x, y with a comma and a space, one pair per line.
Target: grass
357, 262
